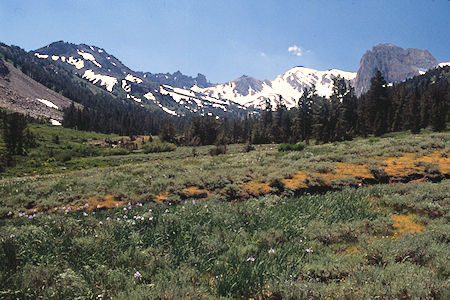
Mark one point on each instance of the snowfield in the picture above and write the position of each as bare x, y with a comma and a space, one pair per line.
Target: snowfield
90, 57
77, 62
105, 80
55, 122
48, 103
132, 78
41, 55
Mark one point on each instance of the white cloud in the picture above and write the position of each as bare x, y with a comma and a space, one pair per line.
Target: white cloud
296, 50
263, 54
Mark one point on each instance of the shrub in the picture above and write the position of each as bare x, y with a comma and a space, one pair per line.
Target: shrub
277, 184
373, 139
249, 147
155, 147
292, 147
64, 156
219, 149
378, 172
116, 151
432, 169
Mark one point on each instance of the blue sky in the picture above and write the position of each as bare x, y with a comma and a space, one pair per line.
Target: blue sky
226, 39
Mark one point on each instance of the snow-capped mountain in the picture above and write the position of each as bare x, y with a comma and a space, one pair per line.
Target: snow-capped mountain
196, 95
251, 92
169, 92
177, 94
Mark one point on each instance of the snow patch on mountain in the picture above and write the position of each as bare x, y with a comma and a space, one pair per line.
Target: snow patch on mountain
48, 103
41, 55
89, 56
132, 78
444, 64
126, 87
136, 98
150, 96
250, 92
105, 80
55, 122
77, 62
167, 110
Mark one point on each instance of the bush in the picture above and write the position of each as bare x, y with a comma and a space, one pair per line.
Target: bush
116, 151
64, 156
292, 147
373, 139
249, 147
219, 149
378, 173
155, 147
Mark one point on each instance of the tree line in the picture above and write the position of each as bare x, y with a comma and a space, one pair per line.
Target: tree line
416, 103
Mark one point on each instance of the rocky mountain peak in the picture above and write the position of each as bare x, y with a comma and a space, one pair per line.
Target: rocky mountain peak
395, 63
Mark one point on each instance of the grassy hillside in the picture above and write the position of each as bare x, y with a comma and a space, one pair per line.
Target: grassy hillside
360, 219
62, 150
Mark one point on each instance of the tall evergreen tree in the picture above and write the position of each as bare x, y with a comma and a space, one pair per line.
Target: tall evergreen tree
378, 105
440, 94
304, 118
14, 126
413, 112
168, 132
277, 131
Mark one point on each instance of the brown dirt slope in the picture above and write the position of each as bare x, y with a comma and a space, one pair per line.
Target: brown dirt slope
19, 92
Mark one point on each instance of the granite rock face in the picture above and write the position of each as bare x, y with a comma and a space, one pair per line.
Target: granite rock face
395, 63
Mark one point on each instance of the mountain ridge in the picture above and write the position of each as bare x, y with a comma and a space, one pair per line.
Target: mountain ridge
245, 92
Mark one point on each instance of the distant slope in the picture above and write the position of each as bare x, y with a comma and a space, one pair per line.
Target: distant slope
20, 93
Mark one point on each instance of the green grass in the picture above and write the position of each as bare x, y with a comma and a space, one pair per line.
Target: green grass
229, 245
204, 249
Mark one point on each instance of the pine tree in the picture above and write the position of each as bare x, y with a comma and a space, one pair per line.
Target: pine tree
343, 108
277, 131
439, 105
413, 112
168, 132
321, 113
14, 126
303, 119
267, 121
378, 105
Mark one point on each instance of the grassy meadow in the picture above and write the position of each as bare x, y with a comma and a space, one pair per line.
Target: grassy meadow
361, 219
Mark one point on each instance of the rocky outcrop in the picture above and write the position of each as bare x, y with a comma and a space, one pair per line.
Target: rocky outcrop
395, 63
